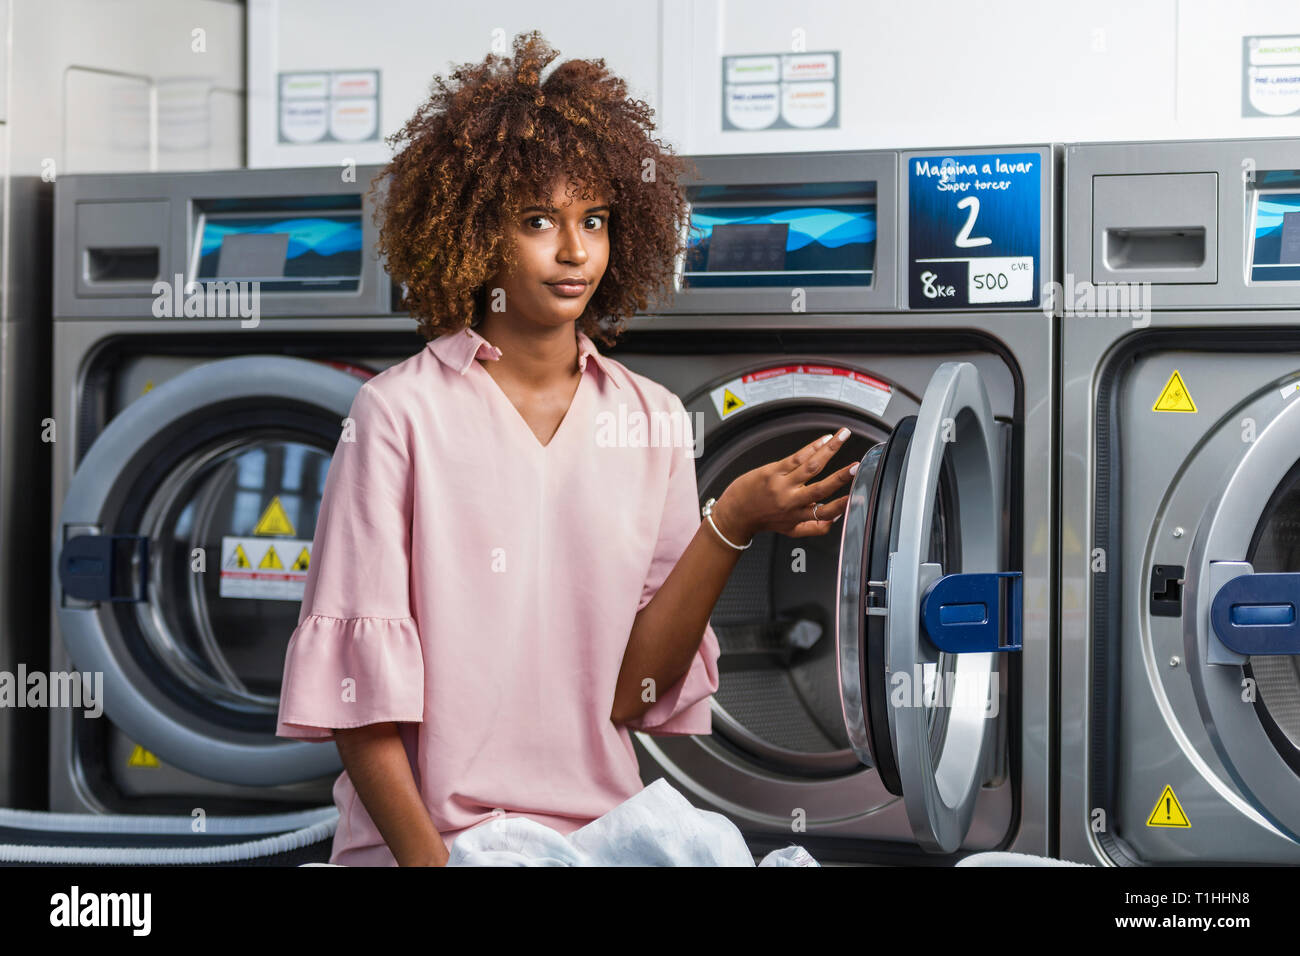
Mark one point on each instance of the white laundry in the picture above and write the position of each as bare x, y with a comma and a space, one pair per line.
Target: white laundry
655, 827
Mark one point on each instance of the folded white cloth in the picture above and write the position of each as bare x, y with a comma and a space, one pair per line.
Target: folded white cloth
996, 858
656, 827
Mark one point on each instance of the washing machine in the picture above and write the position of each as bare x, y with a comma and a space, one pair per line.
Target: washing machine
885, 689
895, 293
1180, 490
193, 437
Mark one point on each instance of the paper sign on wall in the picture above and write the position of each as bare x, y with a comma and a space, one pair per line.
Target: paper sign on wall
781, 91
329, 106
1270, 75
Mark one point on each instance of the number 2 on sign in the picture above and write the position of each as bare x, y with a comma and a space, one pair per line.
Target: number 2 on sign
964, 240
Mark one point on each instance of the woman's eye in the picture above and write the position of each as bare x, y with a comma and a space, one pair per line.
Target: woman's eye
599, 220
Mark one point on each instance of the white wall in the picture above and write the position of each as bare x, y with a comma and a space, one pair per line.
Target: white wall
947, 72
100, 86
957, 72
937, 73
412, 40
1209, 64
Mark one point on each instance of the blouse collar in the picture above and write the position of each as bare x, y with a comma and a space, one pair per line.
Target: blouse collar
459, 349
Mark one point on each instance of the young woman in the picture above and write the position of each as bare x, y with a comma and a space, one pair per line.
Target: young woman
502, 586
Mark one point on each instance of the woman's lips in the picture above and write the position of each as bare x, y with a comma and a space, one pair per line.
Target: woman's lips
568, 290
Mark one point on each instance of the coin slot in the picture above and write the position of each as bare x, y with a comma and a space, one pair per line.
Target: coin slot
128, 264
1151, 248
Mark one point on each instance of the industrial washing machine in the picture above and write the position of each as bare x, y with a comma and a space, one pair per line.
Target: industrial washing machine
1180, 489
192, 446
896, 294
199, 447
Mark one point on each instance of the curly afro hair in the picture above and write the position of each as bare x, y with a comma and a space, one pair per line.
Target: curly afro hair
494, 142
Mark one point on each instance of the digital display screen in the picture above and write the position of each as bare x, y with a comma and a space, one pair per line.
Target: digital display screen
817, 234
1275, 241
284, 252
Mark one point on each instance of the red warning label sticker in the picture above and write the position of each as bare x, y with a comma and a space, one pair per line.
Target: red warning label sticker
820, 382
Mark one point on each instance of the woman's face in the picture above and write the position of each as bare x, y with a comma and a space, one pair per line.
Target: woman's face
568, 239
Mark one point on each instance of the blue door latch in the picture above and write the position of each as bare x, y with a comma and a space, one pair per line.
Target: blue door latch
99, 567
963, 613
1257, 614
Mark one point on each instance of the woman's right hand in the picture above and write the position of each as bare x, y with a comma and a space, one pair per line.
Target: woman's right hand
377, 764
774, 497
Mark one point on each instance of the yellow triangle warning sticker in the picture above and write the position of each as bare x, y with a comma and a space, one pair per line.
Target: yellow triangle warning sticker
142, 758
274, 520
303, 562
1168, 812
729, 402
239, 559
1174, 396
270, 560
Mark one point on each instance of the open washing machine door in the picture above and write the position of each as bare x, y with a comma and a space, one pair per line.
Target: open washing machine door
1242, 628
918, 640
183, 542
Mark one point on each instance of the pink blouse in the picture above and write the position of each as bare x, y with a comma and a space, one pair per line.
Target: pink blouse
479, 588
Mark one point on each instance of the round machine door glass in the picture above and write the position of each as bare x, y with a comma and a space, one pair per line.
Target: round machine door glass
187, 532
1275, 549
776, 703
926, 607
248, 505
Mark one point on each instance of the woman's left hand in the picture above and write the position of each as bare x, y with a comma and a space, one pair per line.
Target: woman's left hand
775, 497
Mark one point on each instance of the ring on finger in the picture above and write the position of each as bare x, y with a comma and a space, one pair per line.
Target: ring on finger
815, 507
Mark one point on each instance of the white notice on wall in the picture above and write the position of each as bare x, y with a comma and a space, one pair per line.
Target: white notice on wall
329, 106
781, 91
1270, 82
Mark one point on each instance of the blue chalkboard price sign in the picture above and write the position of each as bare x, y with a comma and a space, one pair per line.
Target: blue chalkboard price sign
974, 230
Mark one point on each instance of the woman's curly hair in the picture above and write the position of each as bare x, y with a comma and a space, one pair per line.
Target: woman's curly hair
481, 150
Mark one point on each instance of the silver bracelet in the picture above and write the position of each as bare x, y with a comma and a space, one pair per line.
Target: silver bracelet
707, 511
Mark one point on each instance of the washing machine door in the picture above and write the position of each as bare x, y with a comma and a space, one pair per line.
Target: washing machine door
1242, 624
183, 541
918, 645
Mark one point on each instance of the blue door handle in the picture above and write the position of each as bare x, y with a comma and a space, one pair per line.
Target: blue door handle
1257, 614
963, 613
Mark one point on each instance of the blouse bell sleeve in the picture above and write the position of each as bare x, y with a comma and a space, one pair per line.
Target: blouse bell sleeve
355, 657
684, 707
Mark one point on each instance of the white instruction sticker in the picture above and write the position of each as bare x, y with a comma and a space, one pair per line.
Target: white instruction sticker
264, 568
1001, 279
801, 382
